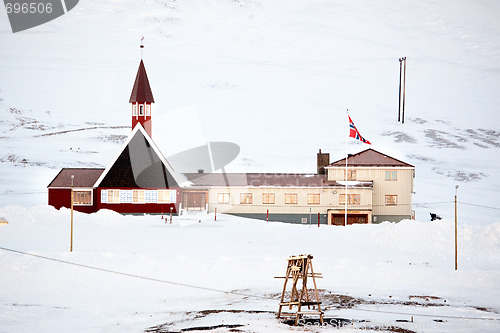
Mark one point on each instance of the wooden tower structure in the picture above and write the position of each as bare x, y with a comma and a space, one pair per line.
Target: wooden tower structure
298, 270
141, 99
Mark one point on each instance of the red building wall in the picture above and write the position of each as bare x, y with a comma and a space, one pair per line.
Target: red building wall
61, 197
137, 208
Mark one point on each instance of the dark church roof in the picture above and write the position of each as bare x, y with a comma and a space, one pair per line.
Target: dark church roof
83, 177
370, 158
141, 92
139, 164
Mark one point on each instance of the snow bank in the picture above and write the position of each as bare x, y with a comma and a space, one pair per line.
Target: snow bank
390, 259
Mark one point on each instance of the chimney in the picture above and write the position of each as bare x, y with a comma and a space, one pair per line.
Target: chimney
323, 159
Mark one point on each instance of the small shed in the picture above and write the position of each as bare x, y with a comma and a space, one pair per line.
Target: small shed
84, 193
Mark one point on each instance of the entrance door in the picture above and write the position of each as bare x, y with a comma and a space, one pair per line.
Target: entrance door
194, 200
338, 219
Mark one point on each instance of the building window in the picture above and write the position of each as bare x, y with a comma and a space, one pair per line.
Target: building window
113, 196
313, 199
167, 196
268, 198
134, 110
352, 199
222, 198
291, 198
245, 198
148, 110
138, 196
126, 196
391, 175
141, 110
82, 197
351, 174
391, 200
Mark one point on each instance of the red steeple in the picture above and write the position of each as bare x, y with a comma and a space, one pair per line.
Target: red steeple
141, 99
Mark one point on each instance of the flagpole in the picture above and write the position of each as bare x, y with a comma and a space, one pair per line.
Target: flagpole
346, 156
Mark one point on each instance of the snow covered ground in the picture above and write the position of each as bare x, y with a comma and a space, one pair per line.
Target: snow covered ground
274, 77
386, 274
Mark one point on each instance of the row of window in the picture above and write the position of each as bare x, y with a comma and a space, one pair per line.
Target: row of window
141, 110
169, 196
269, 198
138, 196
389, 175
292, 199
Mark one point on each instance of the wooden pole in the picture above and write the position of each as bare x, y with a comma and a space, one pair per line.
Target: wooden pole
318, 220
72, 194
215, 218
171, 209
267, 216
404, 91
400, 77
456, 230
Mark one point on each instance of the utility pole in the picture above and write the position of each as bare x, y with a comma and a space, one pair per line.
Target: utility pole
402, 90
456, 227
72, 194
400, 78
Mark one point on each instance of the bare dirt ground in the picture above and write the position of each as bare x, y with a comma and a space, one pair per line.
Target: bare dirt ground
244, 320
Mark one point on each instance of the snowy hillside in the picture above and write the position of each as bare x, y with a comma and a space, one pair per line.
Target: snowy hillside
273, 77
276, 78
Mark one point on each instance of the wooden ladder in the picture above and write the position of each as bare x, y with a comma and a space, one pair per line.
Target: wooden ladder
300, 268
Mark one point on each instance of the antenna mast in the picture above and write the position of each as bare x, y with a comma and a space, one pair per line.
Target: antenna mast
142, 45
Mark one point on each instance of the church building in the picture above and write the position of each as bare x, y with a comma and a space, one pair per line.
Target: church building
139, 180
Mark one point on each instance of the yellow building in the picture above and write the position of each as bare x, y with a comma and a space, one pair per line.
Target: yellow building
378, 187
391, 197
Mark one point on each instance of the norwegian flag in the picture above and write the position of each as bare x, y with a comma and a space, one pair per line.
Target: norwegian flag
354, 133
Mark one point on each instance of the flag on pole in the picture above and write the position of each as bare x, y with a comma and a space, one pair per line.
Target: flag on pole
354, 133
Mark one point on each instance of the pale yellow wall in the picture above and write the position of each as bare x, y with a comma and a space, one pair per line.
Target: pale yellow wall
402, 187
328, 200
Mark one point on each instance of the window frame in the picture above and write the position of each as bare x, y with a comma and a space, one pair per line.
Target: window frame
313, 196
268, 198
76, 193
244, 198
294, 198
226, 197
391, 175
164, 196
353, 199
389, 200
351, 174
138, 197
115, 196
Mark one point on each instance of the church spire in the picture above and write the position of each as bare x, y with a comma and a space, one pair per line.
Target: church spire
141, 99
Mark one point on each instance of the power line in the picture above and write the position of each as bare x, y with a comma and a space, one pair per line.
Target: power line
133, 275
226, 291
425, 315
23, 193
476, 205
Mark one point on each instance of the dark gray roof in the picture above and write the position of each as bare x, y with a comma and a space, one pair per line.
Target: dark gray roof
370, 158
141, 92
266, 180
84, 177
138, 166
